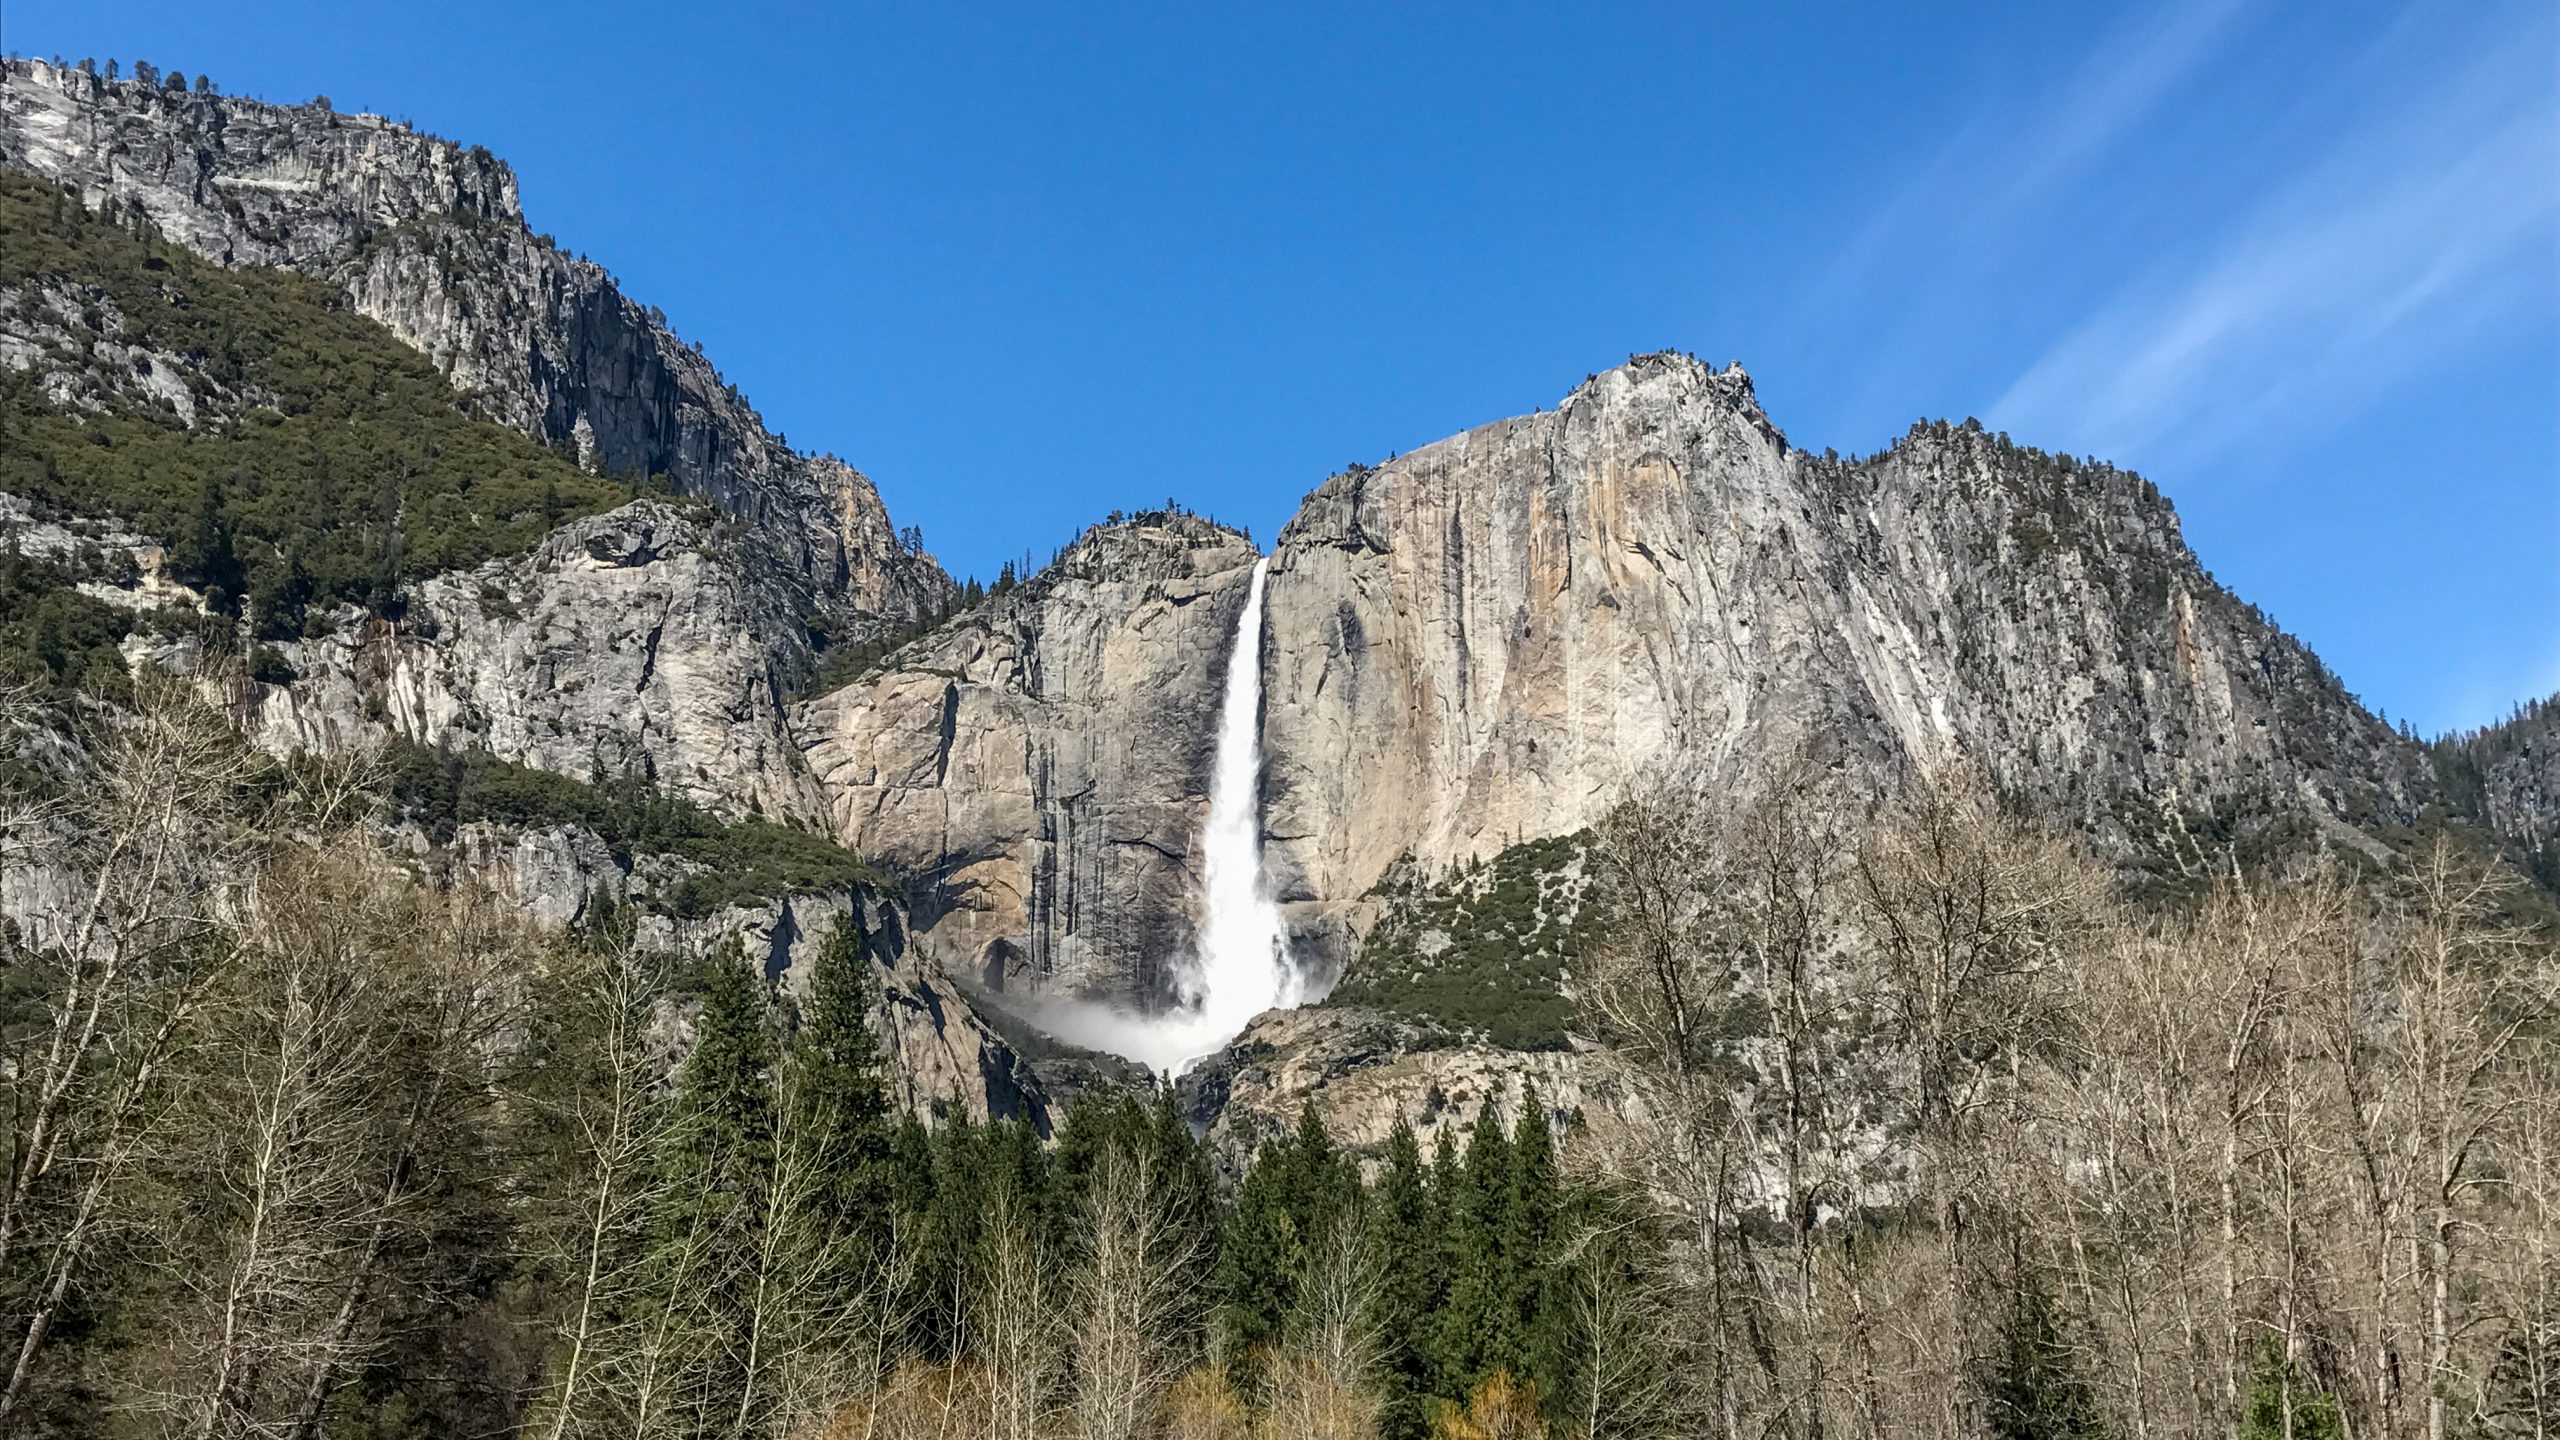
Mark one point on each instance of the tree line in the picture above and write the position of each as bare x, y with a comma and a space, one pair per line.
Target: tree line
303, 1144
1944, 1138
1905, 1123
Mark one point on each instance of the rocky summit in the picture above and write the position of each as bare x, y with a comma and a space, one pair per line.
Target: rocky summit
1477, 645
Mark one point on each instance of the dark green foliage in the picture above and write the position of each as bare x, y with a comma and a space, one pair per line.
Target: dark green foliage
1477, 1326
54, 636
948, 1185
840, 1089
1286, 1208
2282, 1405
742, 861
327, 462
1489, 950
1412, 1285
1497, 1299
715, 1170
1531, 1212
842, 660
2036, 1389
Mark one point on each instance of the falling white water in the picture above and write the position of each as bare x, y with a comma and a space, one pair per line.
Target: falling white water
1240, 964
1243, 966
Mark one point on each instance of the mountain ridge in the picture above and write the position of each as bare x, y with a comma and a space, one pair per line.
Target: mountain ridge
428, 238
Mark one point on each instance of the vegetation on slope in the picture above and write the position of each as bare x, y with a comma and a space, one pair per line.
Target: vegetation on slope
2468, 763
325, 462
53, 635
726, 862
1490, 951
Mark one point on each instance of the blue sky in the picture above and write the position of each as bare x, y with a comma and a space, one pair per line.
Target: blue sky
2299, 263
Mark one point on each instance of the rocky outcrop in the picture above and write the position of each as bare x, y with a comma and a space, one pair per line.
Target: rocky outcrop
945, 1059
1495, 637
1364, 1071
2507, 776
638, 642
1039, 767
429, 239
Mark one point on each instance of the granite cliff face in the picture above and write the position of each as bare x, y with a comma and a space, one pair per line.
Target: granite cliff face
1039, 767
638, 642
429, 239
2507, 777
1494, 638
661, 639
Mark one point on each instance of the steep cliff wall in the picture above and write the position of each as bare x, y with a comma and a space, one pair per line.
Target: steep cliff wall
1496, 637
1493, 638
1039, 767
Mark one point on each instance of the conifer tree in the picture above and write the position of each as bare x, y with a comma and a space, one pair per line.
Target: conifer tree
1187, 1189
718, 1165
2037, 1390
2282, 1405
1477, 1324
210, 561
1410, 1285
948, 1228
1285, 1208
1252, 1276
1529, 1211
839, 1085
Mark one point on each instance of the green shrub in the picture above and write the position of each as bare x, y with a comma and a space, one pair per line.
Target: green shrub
1489, 950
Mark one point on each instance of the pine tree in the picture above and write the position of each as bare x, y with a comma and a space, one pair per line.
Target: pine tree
719, 1162
1533, 1339
1410, 1285
948, 1235
1187, 1184
2283, 1406
2037, 1391
1253, 1279
839, 1084
1477, 1324
209, 561
1297, 1190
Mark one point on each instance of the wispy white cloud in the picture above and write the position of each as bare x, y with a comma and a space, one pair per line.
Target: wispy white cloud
2416, 232
1954, 221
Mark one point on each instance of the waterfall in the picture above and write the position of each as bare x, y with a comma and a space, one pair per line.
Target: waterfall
1238, 965
1242, 966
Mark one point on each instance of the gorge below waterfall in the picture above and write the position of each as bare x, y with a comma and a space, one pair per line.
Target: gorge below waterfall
1238, 965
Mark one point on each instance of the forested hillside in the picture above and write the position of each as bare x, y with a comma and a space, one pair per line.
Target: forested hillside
290, 452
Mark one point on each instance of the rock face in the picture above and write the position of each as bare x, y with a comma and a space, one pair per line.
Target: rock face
1039, 767
1367, 1071
661, 638
428, 238
2507, 776
944, 1058
1493, 638
641, 641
